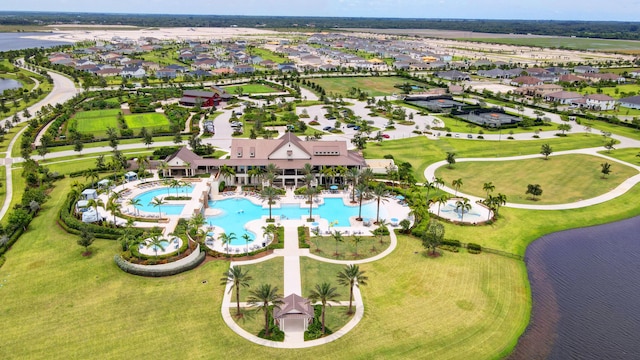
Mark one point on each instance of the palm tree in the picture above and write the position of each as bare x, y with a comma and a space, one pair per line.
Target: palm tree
324, 293
457, 183
270, 194
135, 202
352, 276
429, 186
175, 184
238, 278
226, 239
157, 242
379, 192
442, 199
163, 166
352, 177
95, 203
337, 236
438, 182
158, 202
499, 200
451, 159
227, 171
488, 187
605, 169
246, 238
93, 175
114, 208
362, 190
254, 172
463, 205
273, 172
263, 297
311, 192
356, 240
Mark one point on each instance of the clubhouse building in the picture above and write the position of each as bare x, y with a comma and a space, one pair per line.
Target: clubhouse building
330, 160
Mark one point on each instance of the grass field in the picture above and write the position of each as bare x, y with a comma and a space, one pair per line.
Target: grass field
629, 155
566, 42
151, 121
460, 306
251, 89
375, 86
465, 127
266, 54
563, 179
370, 246
314, 272
96, 121
265, 272
420, 151
599, 126
611, 91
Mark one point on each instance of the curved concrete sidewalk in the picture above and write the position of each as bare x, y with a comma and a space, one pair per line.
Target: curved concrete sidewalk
429, 173
291, 250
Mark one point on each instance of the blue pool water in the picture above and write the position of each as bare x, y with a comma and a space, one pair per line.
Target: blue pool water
173, 209
237, 212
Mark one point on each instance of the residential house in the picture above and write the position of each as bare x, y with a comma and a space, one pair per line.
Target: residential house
166, 73
600, 102
585, 69
635, 74
631, 102
563, 97
453, 75
134, 71
526, 81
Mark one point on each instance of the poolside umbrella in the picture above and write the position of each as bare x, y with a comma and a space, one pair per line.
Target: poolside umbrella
333, 187
400, 197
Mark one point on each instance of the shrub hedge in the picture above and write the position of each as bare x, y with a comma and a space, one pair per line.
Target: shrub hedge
152, 271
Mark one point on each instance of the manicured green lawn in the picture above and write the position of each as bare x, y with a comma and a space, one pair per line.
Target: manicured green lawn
314, 272
77, 307
599, 126
374, 85
96, 121
368, 247
85, 161
563, 179
3, 187
464, 127
251, 89
267, 54
629, 155
156, 139
420, 151
265, 272
611, 91
149, 120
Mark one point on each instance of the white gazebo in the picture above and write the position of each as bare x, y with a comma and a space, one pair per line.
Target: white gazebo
295, 309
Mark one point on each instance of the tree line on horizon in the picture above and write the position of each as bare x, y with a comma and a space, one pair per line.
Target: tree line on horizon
595, 29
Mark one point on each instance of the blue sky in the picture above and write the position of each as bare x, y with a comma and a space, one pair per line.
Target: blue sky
618, 10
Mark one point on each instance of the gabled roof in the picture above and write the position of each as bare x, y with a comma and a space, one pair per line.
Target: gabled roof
185, 155
287, 140
295, 306
631, 100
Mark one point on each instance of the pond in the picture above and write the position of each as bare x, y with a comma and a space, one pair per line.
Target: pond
6, 84
585, 286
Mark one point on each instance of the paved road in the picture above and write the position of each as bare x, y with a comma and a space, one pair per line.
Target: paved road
63, 90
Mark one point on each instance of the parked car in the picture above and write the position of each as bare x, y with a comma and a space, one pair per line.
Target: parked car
327, 128
351, 125
457, 135
386, 136
356, 128
469, 136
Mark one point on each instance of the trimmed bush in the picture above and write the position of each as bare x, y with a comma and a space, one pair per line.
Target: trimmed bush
303, 237
151, 271
474, 248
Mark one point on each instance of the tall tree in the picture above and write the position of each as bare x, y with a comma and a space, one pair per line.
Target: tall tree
325, 293
534, 190
379, 192
362, 190
158, 202
546, 150
463, 206
226, 239
263, 297
451, 159
433, 236
457, 183
605, 169
270, 195
238, 278
352, 276
488, 187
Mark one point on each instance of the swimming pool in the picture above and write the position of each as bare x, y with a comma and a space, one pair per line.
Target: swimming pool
237, 212
168, 209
